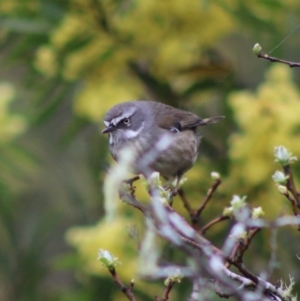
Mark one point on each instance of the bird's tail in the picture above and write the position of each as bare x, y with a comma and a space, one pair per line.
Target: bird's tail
210, 120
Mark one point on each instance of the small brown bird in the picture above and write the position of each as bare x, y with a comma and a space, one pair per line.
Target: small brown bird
146, 126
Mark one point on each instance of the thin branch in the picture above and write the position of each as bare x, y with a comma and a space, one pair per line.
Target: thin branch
203, 245
131, 285
241, 247
129, 198
167, 291
294, 205
293, 202
185, 202
212, 222
277, 60
246, 243
291, 184
128, 291
208, 196
275, 292
246, 273
131, 180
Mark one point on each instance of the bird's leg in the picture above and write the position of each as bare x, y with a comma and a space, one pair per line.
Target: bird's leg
130, 182
174, 191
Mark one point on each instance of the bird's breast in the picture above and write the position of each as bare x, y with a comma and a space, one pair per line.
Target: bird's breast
180, 156
172, 159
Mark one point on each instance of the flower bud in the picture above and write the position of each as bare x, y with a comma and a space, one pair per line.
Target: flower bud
279, 177
176, 276
215, 175
238, 202
227, 211
283, 156
257, 213
107, 259
256, 49
282, 189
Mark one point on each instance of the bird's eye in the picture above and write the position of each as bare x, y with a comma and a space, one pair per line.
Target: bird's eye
126, 121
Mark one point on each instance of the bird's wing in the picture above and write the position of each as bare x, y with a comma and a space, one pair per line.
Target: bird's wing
181, 120
191, 123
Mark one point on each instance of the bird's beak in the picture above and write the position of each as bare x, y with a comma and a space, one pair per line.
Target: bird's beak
109, 129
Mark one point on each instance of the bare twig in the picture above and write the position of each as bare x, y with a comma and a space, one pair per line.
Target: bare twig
208, 196
241, 246
131, 180
294, 206
245, 245
128, 291
272, 59
130, 199
290, 185
195, 215
131, 285
212, 222
185, 202
167, 291
293, 202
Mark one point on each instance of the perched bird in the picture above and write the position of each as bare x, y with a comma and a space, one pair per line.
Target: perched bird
146, 126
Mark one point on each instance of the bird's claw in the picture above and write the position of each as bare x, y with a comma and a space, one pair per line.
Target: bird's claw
173, 190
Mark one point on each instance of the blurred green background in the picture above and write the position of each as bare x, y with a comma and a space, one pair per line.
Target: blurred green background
65, 63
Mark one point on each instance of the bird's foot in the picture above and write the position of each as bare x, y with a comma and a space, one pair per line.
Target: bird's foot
173, 187
173, 190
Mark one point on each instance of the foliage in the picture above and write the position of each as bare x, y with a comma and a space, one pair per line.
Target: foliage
266, 119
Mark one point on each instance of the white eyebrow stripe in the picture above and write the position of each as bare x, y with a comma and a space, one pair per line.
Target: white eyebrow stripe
127, 114
106, 122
